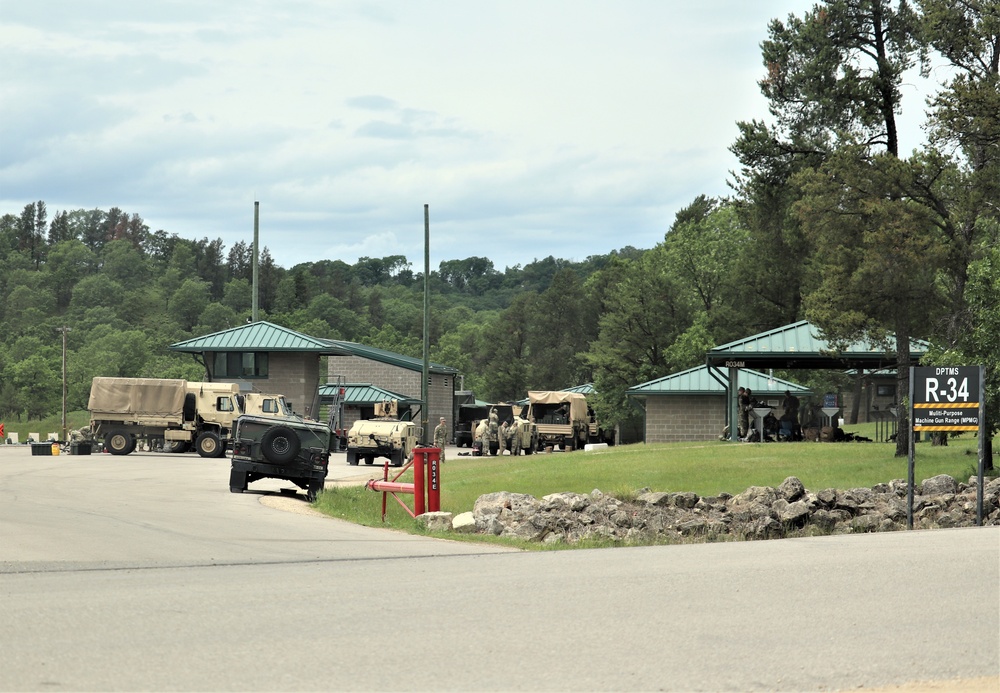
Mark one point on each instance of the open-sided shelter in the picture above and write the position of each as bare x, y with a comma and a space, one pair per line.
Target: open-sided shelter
798, 346
691, 405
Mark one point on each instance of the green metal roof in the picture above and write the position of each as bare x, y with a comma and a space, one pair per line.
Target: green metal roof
585, 389
698, 381
341, 348
266, 336
358, 394
254, 336
798, 346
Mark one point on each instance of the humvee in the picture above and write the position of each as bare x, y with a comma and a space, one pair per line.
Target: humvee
383, 436
265, 447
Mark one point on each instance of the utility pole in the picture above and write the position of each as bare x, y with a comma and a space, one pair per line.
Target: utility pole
425, 373
64, 330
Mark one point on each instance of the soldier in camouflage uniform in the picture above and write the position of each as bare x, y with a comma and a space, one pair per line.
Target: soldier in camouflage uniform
483, 437
441, 436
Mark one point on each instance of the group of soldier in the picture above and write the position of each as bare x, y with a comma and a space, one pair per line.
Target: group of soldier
746, 403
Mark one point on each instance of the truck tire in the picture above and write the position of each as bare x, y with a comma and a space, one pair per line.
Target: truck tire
176, 446
237, 481
315, 487
494, 449
369, 459
209, 444
119, 442
280, 445
352, 458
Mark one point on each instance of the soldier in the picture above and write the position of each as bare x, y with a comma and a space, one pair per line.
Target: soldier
504, 436
494, 431
482, 438
791, 406
743, 406
441, 436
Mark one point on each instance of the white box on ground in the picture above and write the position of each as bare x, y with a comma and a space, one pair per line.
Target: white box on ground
590, 447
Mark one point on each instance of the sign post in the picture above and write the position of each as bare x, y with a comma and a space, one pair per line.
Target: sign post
947, 398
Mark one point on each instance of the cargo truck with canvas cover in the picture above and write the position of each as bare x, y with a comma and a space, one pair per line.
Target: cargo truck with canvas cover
561, 418
125, 411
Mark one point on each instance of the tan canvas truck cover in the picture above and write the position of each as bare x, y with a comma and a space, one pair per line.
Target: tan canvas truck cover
154, 397
577, 402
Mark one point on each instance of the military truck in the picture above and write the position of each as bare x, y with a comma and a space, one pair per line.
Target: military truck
264, 404
295, 449
469, 415
127, 411
561, 418
383, 436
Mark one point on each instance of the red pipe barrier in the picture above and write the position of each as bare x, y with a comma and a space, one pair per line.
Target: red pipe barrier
426, 491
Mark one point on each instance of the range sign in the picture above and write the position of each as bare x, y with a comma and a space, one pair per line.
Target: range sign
945, 398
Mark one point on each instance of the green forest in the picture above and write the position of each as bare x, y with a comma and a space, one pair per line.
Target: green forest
827, 221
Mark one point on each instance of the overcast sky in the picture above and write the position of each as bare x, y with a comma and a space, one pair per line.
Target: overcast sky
531, 128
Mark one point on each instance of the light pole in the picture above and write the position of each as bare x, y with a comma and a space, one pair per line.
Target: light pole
64, 330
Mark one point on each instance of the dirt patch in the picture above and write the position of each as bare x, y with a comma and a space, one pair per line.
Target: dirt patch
290, 504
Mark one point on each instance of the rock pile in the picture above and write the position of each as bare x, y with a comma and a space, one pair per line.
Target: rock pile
760, 512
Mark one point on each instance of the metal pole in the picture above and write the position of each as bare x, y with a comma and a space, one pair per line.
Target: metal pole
424, 389
64, 330
982, 446
256, 245
910, 469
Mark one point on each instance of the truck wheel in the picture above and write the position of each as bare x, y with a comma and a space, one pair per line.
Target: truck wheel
370, 459
237, 481
315, 487
119, 442
352, 458
494, 449
280, 445
175, 446
209, 444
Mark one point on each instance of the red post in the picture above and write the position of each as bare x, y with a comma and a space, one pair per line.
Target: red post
418, 481
434, 480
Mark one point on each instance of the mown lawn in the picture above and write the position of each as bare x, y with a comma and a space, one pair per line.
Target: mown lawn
707, 469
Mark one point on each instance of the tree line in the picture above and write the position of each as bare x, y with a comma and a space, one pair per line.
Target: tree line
828, 221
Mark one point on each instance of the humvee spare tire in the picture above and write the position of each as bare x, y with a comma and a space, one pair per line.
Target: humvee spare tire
279, 444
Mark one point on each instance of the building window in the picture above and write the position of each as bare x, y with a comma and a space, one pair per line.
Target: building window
240, 364
885, 391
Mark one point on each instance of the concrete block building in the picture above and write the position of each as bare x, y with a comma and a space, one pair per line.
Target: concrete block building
266, 357
358, 363
691, 405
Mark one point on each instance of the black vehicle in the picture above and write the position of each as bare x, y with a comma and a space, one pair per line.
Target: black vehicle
270, 448
465, 430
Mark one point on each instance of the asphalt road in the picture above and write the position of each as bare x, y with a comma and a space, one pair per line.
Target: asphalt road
144, 573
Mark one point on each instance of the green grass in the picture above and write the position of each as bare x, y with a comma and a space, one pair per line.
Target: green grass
708, 469
43, 427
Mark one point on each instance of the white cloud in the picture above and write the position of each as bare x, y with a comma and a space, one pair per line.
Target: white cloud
553, 127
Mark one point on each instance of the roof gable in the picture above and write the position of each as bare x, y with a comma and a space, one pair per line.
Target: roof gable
798, 345
699, 381
357, 394
254, 336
